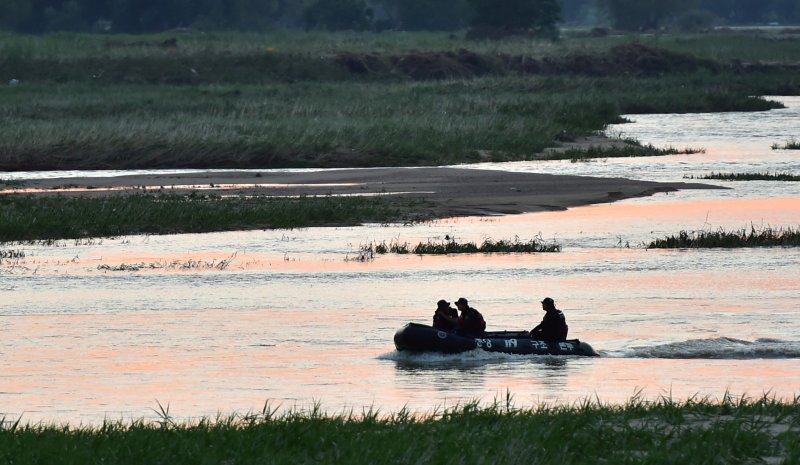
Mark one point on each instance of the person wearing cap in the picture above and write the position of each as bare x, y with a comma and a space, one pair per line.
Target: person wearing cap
446, 317
553, 327
470, 322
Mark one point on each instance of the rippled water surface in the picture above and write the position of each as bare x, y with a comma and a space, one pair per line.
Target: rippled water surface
226, 322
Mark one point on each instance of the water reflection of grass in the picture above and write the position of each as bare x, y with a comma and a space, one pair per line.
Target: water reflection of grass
30, 218
451, 246
734, 430
753, 237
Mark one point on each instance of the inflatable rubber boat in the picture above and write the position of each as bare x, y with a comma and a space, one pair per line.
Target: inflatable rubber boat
415, 337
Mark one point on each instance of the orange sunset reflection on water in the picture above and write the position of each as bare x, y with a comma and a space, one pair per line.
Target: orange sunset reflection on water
632, 214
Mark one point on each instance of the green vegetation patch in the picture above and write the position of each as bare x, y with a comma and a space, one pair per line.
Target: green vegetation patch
332, 124
451, 246
631, 150
753, 237
27, 218
659, 432
751, 177
791, 144
279, 100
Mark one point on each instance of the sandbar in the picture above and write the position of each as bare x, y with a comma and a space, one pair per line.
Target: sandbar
447, 191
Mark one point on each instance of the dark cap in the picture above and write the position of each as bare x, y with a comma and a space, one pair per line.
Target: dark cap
548, 301
443, 303
462, 300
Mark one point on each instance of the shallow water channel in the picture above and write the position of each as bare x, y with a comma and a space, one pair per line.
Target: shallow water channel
226, 322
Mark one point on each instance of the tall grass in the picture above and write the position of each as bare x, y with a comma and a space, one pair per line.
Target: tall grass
451, 246
752, 237
288, 99
30, 218
791, 144
86, 126
593, 152
662, 431
751, 177
723, 46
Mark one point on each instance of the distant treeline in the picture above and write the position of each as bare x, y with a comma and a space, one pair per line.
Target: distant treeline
510, 16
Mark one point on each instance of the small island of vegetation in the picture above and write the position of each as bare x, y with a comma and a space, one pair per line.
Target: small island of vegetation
749, 177
752, 237
791, 144
451, 246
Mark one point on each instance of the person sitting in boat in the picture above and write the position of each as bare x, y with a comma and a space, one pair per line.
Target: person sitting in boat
446, 317
553, 327
470, 322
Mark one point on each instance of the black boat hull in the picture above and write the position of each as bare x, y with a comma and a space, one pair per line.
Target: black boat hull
415, 337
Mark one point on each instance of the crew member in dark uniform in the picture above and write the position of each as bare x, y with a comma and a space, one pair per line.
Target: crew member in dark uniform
446, 317
553, 327
470, 322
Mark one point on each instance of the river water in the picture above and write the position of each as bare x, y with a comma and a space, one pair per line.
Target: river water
223, 323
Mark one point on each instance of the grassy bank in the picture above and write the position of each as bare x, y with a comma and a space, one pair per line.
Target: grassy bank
332, 124
661, 432
753, 237
31, 218
335, 100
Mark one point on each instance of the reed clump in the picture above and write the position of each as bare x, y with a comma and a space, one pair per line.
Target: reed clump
695, 431
791, 144
745, 237
750, 177
12, 254
633, 150
451, 246
175, 265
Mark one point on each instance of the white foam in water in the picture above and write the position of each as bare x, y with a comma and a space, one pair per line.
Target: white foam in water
716, 348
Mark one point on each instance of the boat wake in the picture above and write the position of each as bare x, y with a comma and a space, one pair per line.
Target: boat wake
716, 348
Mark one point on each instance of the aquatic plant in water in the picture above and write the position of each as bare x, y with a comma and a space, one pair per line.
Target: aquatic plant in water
791, 144
748, 177
173, 265
754, 237
619, 152
450, 246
